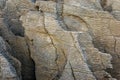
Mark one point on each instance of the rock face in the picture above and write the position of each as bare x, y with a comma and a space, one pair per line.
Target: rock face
7, 71
59, 40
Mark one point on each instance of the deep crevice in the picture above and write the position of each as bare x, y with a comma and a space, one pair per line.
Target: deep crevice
13, 33
27, 64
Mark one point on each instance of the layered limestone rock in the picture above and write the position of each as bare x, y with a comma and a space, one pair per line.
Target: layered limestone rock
59, 40
58, 26
64, 55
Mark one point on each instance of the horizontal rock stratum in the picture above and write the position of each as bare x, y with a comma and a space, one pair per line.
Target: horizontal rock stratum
59, 40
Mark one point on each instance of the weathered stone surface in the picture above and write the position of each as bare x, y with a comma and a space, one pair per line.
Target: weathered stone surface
88, 4
12, 31
20, 50
7, 70
55, 37
60, 39
2, 4
59, 58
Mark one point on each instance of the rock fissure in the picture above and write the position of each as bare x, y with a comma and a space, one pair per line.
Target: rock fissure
72, 71
59, 39
56, 51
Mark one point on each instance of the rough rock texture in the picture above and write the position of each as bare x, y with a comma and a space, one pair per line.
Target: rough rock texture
7, 64
60, 40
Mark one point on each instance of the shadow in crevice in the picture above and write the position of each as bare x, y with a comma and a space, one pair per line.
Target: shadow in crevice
105, 6
13, 33
15, 26
33, 1
114, 72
